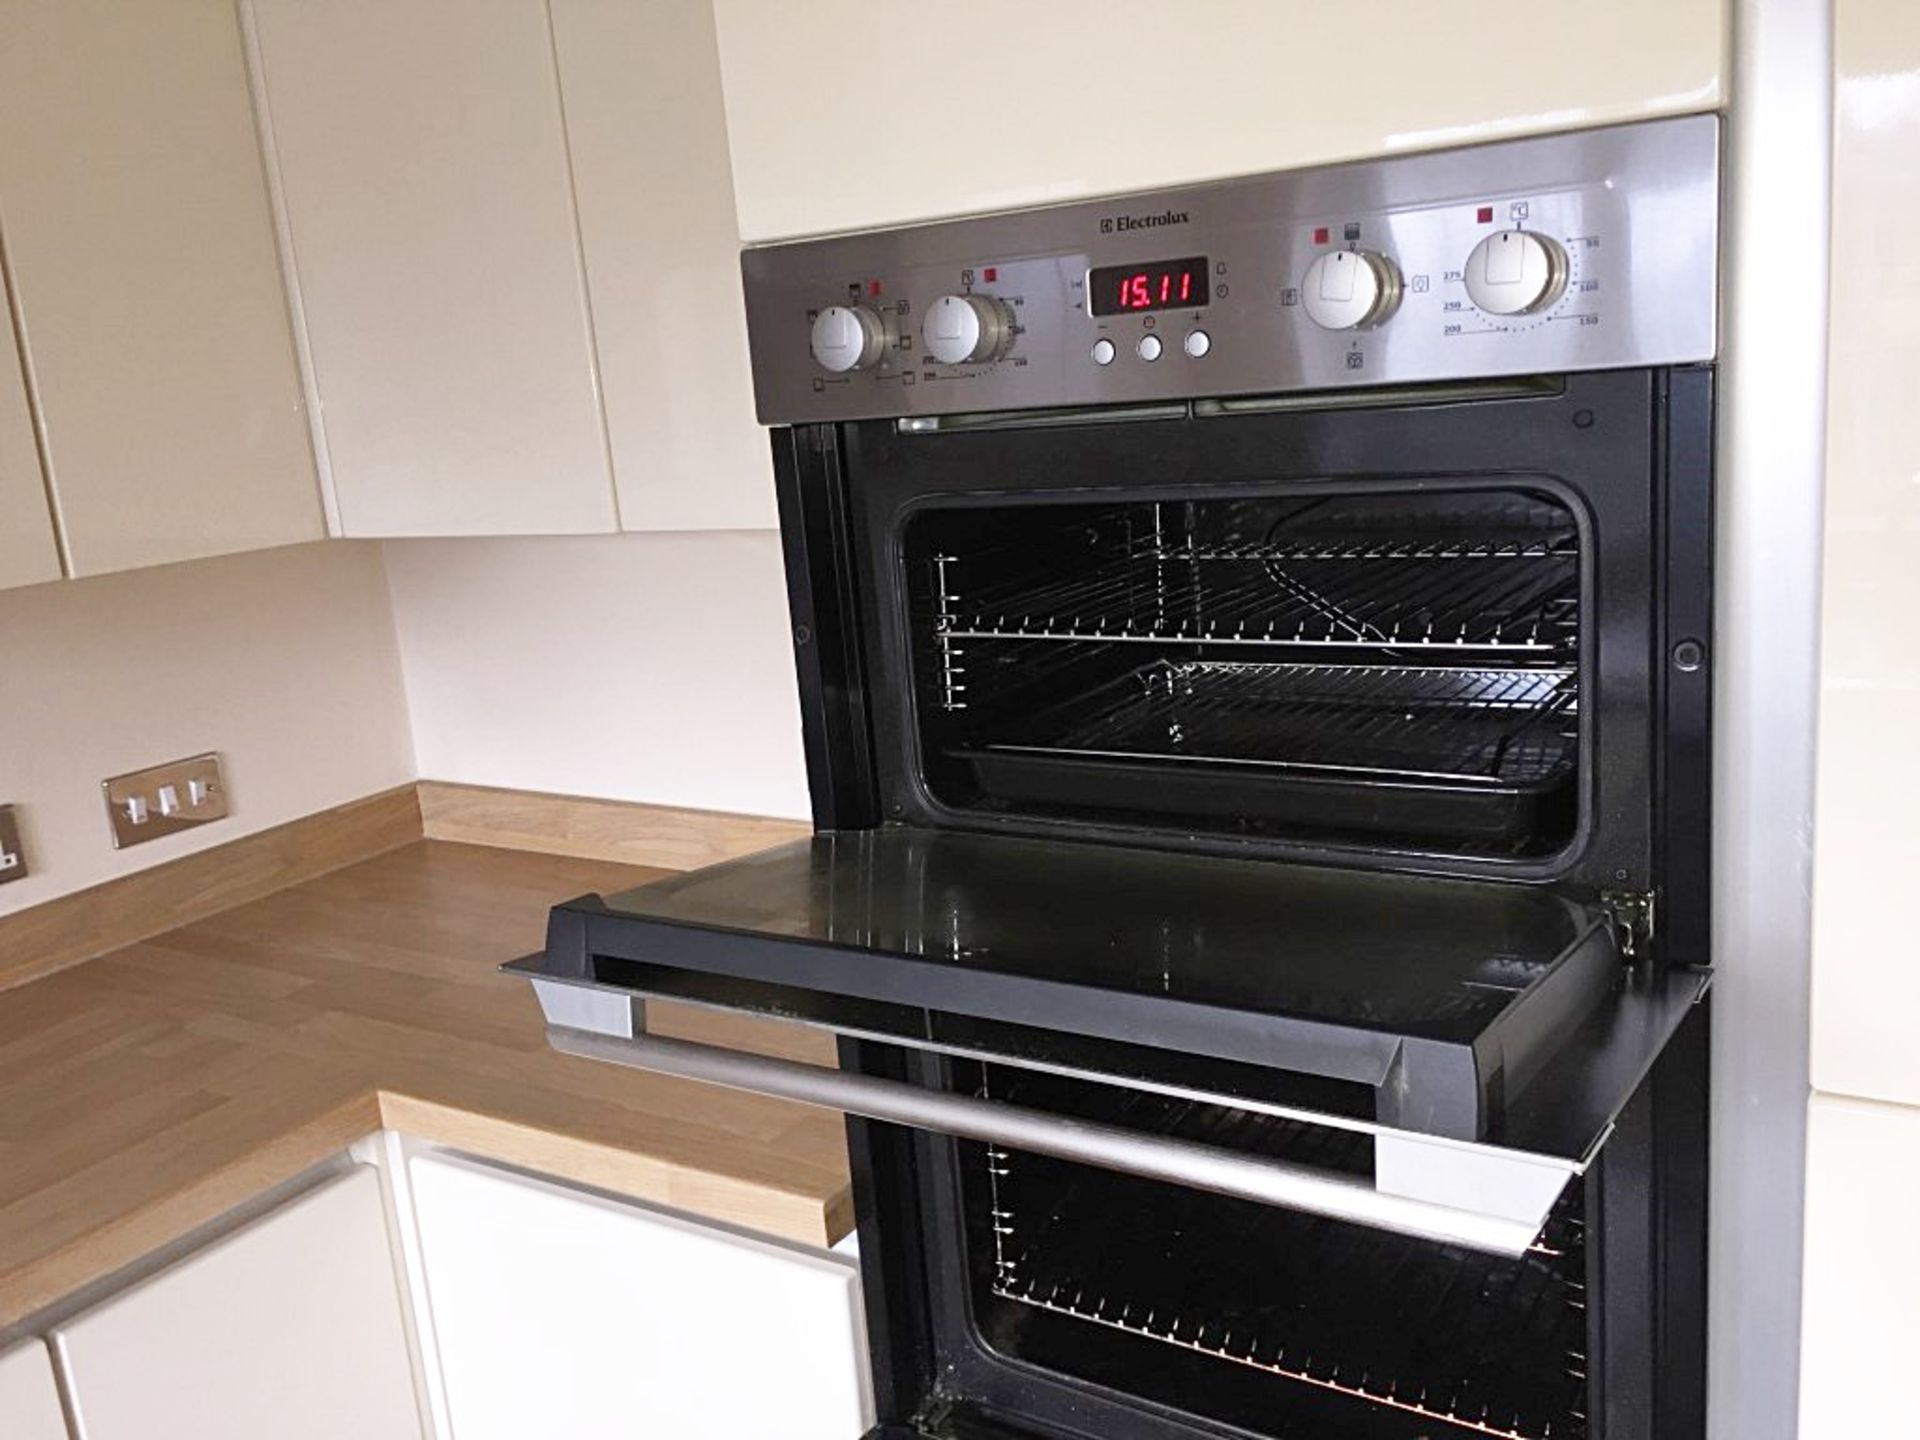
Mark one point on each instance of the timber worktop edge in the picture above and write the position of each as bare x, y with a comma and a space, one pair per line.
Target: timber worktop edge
152, 1090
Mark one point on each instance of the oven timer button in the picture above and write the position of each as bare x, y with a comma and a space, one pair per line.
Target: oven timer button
1198, 343
1149, 348
1103, 352
847, 337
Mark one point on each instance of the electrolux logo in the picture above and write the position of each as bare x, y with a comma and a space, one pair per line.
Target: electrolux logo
1142, 222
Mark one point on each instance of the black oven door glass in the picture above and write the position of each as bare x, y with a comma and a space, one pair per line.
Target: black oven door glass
1436, 1006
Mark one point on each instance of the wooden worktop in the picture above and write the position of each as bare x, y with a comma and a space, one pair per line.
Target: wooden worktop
148, 1091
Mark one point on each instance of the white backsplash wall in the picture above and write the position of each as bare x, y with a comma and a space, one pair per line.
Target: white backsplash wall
653, 667
281, 660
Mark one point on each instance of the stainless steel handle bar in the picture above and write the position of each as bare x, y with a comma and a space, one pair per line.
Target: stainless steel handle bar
994, 1122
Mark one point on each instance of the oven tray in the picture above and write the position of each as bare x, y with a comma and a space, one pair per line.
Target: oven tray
1474, 753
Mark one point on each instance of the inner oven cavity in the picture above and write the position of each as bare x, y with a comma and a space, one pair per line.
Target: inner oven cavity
1389, 668
1271, 1321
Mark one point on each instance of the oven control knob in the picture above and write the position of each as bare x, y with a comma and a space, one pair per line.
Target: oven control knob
1351, 290
1515, 272
962, 329
847, 337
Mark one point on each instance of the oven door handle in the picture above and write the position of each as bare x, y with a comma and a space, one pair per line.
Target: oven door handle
994, 1122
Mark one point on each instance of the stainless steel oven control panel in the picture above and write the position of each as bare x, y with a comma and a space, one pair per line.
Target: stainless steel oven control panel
1586, 251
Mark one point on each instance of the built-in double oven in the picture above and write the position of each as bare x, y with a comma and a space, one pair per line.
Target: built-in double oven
1254, 652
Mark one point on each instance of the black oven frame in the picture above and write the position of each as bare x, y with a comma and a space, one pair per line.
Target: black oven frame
1646, 1193
1603, 442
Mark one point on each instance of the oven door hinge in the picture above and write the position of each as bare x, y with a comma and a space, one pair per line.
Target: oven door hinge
1630, 913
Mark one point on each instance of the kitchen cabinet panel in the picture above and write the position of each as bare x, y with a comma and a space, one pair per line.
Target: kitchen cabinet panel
844, 114
28, 551
429, 209
147, 277
559, 1312
1866, 988
29, 1401
290, 1327
1860, 1310
647, 130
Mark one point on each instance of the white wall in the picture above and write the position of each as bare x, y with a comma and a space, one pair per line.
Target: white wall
845, 114
629, 667
1861, 1320
281, 660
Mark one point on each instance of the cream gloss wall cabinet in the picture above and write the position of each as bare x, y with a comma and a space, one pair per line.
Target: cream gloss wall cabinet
429, 211
513, 246
647, 132
559, 1312
29, 1399
28, 552
147, 288
845, 114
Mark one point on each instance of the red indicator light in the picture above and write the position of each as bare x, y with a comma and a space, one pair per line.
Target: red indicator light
992, 273
873, 287
1320, 234
1486, 214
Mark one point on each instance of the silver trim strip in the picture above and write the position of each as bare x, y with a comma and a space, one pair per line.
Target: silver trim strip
1179, 1162
1632, 208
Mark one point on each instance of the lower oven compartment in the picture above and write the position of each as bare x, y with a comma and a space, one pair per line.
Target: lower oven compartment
1398, 667
1271, 1321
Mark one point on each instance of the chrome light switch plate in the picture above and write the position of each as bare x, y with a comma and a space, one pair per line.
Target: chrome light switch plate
143, 805
13, 856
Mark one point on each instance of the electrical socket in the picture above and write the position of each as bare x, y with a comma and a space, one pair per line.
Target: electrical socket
13, 855
165, 799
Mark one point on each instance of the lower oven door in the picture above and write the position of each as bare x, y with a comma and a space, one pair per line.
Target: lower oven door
1440, 1057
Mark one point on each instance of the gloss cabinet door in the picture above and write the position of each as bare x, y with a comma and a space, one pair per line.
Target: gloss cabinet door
428, 206
29, 1399
560, 1312
291, 1327
146, 282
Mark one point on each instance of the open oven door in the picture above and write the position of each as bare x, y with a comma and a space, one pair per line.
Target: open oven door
1475, 1040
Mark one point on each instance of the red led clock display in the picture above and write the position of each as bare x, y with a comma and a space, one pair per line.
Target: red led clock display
1161, 285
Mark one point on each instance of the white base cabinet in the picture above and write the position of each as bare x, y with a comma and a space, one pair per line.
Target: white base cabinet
559, 1312
29, 1400
290, 1327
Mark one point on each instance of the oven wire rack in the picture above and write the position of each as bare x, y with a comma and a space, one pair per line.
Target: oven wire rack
1513, 599
1507, 727
1505, 1306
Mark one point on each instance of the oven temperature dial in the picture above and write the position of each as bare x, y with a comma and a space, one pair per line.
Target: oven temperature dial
1351, 290
1516, 272
847, 337
962, 329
